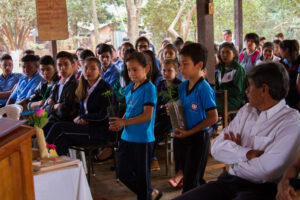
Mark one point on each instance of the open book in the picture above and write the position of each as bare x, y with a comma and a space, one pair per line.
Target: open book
53, 164
7, 125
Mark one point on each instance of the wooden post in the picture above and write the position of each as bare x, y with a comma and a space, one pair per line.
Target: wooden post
238, 24
54, 48
205, 31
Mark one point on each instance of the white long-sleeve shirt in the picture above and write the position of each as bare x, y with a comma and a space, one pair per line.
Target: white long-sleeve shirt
275, 131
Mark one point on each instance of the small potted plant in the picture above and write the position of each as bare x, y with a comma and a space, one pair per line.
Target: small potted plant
40, 119
175, 108
111, 109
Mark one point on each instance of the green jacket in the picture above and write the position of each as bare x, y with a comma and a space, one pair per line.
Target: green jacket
232, 79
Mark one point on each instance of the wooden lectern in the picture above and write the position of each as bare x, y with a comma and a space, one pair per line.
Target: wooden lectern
16, 177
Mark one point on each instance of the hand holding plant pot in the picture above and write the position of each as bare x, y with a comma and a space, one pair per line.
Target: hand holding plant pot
174, 109
116, 123
111, 110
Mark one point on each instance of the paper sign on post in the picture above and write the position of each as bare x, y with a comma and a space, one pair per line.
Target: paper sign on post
52, 19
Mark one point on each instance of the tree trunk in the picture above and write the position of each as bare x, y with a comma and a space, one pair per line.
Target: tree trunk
133, 8
189, 21
96, 23
180, 27
171, 27
14, 37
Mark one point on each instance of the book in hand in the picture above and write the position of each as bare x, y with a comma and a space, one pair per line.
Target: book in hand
53, 163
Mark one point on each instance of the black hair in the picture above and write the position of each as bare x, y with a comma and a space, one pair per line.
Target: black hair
125, 69
196, 51
293, 47
6, 57
187, 42
173, 62
262, 38
171, 46
139, 57
277, 42
29, 52
252, 36
178, 41
267, 44
141, 39
274, 75
93, 59
65, 54
279, 35
153, 72
104, 48
128, 44
85, 54
228, 31
230, 46
125, 39
79, 49
30, 58
47, 60
99, 45
75, 56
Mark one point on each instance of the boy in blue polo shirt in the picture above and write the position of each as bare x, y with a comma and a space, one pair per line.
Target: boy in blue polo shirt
8, 80
28, 83
110, 72
198, 102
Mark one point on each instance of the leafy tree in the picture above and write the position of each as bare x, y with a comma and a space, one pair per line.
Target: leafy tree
17, 18
81, 11
263, 17
157, 16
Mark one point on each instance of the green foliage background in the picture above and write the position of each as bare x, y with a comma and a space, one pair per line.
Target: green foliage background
265, 17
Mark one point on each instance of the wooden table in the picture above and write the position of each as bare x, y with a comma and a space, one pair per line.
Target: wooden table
16, 177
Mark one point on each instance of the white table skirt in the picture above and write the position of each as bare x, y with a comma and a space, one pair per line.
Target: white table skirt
64, 184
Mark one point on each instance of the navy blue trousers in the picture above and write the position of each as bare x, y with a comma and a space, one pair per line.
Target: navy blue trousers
229, 187
134, 167
191, 157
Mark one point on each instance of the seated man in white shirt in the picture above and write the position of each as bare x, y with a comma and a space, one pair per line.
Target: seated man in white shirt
259, 144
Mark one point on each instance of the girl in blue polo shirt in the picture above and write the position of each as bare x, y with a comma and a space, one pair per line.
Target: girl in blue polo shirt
137, 138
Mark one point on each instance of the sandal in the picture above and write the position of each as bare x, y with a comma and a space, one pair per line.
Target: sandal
172, 181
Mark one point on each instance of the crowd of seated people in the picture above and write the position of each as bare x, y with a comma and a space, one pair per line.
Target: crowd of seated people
263, 84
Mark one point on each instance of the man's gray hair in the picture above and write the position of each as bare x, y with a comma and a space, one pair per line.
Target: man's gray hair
272, 74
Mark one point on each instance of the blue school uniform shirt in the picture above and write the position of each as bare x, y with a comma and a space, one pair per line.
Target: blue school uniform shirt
136, 99
111, 74
157, 64
196, 102
119, 64
6, 84
26, 87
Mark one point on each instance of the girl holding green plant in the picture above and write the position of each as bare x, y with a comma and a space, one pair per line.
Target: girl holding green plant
91, 125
